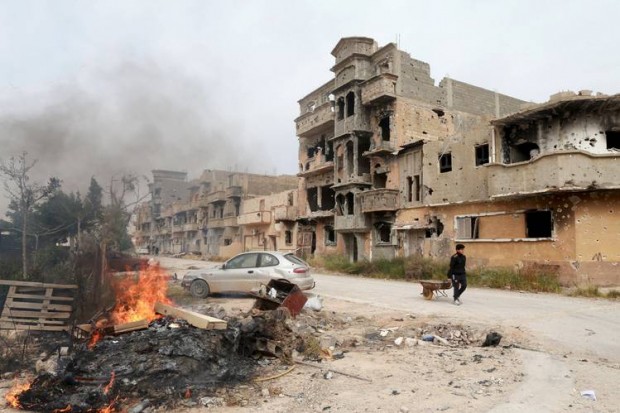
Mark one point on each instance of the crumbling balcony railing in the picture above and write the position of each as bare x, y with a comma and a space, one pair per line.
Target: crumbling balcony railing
344, 223
378, 200
379, 89
192, 226
285, 213
317, 165
311, 122
216, 196
555, 172
234, 192
254, 218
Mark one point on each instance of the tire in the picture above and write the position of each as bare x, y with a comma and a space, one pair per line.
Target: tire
199, 289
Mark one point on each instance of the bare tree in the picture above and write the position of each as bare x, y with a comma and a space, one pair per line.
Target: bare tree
24, 195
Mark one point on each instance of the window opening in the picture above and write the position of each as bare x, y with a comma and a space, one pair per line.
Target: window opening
313, 199
340, 108
330, 236
482, 154
288, 237
445, 162
384, 125
384, 232
350, 156
613, 139
350, 104
539, 224
380, 180
350, 201
409, 189
467, 227
328, 200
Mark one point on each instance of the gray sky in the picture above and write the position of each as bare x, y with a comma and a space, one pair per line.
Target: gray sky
105, 87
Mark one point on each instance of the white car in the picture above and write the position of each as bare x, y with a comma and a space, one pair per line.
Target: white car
246, 272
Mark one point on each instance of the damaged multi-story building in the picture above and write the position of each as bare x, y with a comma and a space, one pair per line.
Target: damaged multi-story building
201, 216
393, 164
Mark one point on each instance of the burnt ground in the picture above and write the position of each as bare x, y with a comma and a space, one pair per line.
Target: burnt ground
356, 358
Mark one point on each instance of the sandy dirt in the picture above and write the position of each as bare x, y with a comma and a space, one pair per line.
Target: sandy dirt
398, 372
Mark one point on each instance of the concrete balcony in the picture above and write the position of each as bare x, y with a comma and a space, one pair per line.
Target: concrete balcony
234, 192
215, 223
363, 180
217, 196
352, 223
316, 166
378, 200
381, 149
254, 218
556, 172
285, 213
230, 221
313, 122
379, 89
190, 227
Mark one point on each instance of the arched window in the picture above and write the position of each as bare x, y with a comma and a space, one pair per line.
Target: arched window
340, 108
350, 104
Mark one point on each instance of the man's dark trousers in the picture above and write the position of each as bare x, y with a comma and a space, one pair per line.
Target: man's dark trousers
459, 282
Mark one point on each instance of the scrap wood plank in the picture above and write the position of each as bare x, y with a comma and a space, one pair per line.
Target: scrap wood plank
29, 320
38, 285
39, 306
195, 319
9, 312
37, 297
17, 326
131, 326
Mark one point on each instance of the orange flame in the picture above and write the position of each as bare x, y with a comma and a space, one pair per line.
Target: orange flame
94, 338
64, 410
12, 397
110, 408
136, 298
107, 388
188, 393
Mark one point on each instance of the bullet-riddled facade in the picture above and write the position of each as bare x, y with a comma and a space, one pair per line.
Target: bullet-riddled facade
393, 165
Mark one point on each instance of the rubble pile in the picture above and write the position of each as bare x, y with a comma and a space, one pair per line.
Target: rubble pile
163, 365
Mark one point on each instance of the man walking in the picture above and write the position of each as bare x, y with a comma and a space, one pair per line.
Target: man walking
456, 272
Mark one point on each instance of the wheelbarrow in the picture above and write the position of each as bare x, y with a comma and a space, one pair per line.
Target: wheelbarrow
435, 288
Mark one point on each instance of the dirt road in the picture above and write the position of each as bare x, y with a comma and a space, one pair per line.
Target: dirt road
572, 344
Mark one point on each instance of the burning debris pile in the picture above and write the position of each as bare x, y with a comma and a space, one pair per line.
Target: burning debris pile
169, 361
162, 361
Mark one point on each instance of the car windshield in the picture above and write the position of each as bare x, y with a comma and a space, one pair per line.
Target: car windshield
292, 258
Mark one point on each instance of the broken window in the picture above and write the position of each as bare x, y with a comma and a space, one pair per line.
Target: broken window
330, 236
313, 199
613, 139
417, 188
350, 201
329, 152
384, 125
409, 189
384, 232
288, 237
350, 104
340, 108
380, 180
467, 228
340, 201
363, 163
482, 154
538, 224
327, 198
445, 162
350, 156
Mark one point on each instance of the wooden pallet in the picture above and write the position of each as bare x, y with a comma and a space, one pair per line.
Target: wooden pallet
37, 306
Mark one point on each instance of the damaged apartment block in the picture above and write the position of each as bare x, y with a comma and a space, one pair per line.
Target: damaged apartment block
394, 164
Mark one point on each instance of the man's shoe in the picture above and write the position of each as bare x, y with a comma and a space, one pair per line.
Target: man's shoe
457, 302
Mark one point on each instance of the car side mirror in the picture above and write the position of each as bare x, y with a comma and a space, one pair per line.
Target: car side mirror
224, 266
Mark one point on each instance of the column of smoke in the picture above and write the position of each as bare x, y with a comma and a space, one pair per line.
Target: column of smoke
132, 119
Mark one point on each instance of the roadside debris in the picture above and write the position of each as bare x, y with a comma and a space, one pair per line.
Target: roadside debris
492, 339
589, 394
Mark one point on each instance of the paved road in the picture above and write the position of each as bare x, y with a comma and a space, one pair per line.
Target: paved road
567, 332
588, 326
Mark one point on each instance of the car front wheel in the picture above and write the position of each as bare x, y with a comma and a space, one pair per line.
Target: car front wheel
199, 289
